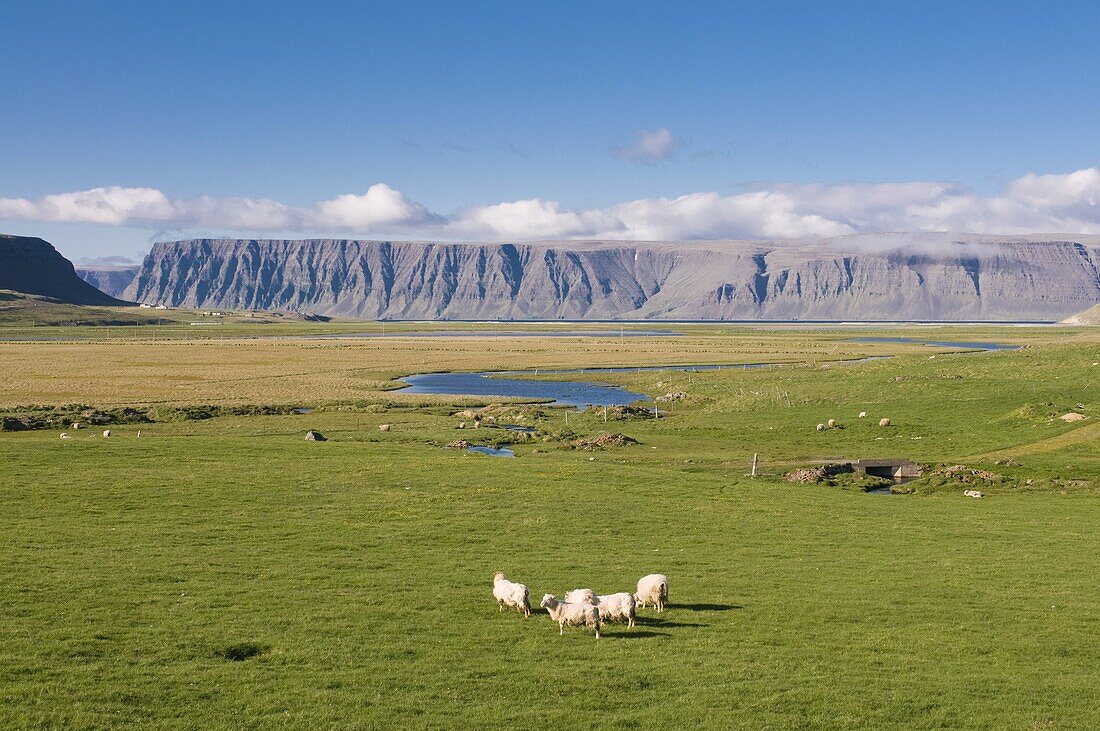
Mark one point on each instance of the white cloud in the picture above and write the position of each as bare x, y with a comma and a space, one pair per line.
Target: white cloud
1064, 203
660, 144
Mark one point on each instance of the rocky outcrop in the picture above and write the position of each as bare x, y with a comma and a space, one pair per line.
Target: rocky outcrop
876, 278
112, 280
32, 266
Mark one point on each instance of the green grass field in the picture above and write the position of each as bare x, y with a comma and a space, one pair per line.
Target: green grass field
225, 573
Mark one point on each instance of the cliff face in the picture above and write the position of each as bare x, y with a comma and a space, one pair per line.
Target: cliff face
987, 279
32, 266
112, 280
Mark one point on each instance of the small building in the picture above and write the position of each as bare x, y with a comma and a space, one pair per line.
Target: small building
893, 469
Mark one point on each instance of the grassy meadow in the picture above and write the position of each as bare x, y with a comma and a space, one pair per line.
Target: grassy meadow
226, 573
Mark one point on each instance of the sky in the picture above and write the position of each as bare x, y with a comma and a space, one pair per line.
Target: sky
130, 122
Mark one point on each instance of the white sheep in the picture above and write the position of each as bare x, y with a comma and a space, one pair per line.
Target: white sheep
617, 608
510, 594
884, 422
581, 596
106, 432
652, 589
863, 414
831, 423
572, 614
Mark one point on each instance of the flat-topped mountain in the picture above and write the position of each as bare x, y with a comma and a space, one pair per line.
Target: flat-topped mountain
32, 266
110, 279
869, 277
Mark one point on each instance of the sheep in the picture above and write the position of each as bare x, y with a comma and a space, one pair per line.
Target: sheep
863, 414
972, 493
821, 427
832, 423
884, 422
385, 427
510, 594
581, 596
64, 435
652, 589
106, 432
572, 614
77, 425
617, 608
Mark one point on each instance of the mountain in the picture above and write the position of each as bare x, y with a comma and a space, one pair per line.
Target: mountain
1091, 316
867, 277
32, 266
110, 279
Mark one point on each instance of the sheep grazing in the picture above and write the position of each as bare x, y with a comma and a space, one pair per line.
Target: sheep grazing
106, 432
884, 422
77, 425
571, 614
64, 435
510, 594
652, 589
821, 427
617, 608
385, 427
863, 414
832, 423
972, 493
581, 596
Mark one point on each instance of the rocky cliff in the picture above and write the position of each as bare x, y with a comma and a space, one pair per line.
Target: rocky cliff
113, 279
867, 278
32, 266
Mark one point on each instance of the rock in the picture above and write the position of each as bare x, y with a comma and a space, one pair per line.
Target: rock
806, 475
1072, 416
458, 444
873, 278
315, 436
602, 441
32, 266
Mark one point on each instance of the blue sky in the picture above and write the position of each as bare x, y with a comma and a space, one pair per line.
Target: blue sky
457, 107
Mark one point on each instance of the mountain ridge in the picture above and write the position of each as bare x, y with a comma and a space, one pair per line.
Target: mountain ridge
31, 265
881, 277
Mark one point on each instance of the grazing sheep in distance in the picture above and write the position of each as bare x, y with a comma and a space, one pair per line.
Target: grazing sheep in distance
572, 614
831, 423
972, 493
581, 596
821, 427
64, 435
106, 432
863, 414
652, 589
617, 608
510, 594
884, 422
385, 427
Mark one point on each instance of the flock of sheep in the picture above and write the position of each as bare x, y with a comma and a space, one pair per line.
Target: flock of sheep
584, 606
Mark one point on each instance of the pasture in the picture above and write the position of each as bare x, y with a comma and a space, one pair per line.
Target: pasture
225, 573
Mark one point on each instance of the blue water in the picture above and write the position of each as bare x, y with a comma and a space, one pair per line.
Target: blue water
502, 452
559, 393
939, 343
511, 384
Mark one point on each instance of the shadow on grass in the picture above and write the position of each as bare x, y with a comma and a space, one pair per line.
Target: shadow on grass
706, 607
633, 634
662, 622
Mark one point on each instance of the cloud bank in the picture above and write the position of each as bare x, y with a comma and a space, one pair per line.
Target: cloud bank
1061, 203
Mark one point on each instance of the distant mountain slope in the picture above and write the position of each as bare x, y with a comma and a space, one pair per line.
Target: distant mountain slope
1091, 316
878, 277
111, 279
32, 266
